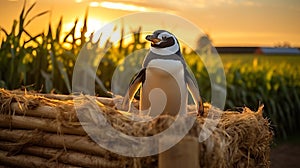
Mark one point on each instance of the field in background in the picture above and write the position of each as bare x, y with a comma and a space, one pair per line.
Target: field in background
273, 60
45, 62
273, 80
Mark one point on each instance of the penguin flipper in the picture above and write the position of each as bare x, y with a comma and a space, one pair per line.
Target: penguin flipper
193, 89
134, 86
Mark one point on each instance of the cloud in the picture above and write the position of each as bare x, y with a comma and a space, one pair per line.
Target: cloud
159, 5
148, 5
255, 3
251, 3
123, 6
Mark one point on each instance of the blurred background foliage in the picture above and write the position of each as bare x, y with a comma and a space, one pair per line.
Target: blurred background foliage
45, 62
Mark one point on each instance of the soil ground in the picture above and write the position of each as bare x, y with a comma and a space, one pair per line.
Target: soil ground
286, 154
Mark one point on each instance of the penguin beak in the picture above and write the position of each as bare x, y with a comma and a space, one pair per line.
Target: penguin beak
152, 39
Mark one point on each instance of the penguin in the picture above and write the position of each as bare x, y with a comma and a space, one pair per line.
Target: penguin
164, 79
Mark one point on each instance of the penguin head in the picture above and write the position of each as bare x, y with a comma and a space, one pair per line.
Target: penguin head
163, 42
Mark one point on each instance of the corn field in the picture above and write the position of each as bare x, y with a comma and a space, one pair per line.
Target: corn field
44, 62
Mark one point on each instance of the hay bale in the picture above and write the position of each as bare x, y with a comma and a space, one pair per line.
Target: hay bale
45, 127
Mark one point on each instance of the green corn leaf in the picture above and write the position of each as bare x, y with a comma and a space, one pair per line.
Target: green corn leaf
3, 84
72, 32
53, 61
29, 9
273, 109
58, 30
4, 31
84, 28
36, 16
64, 74
27, 33
34, 39
296, 99
21, 18
289, 117
48, 81
49, 35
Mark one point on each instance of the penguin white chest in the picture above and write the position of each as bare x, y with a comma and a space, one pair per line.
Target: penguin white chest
163, 69
164, 90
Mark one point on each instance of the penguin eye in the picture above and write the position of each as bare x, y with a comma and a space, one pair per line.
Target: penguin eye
164, 37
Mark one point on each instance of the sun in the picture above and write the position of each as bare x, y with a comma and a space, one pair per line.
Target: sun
93, 24
101, 30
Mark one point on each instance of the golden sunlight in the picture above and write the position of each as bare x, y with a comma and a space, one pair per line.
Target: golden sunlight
109, 32
103, 30
92, 26
120, 6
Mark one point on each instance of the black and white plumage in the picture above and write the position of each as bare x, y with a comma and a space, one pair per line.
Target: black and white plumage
164, 78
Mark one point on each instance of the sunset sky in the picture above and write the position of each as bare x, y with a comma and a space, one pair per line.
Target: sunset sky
228, 22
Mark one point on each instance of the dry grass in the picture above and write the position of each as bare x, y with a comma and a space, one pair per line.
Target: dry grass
45, 127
